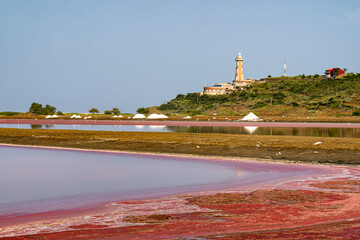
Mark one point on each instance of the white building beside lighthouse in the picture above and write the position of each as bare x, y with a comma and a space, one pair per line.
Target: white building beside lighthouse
238, 82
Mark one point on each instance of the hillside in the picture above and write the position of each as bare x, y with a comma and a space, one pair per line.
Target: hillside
291, 96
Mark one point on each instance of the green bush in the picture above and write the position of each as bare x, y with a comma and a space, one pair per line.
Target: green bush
356, 113
94, 110
143, 110
279, 96
259, 105
9, 113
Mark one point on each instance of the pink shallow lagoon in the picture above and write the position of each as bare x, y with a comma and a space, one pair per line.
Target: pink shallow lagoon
40, 181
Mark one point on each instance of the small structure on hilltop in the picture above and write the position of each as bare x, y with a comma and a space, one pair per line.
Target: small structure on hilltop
334, 72
218, 89
238, 82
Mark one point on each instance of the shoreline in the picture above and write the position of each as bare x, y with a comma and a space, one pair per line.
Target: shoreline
301, 149
218, 158
326, 203
70, 216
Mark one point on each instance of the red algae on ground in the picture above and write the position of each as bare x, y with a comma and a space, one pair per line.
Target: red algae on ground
319, 207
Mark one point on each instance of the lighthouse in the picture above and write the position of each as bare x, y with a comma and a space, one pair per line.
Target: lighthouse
238, 83
239, 76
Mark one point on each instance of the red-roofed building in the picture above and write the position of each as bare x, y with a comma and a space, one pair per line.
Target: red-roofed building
334, 72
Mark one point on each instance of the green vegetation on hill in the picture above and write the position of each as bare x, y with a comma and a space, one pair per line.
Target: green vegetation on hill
306, 92
9, 113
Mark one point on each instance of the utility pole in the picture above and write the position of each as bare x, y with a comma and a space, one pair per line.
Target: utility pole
285, 67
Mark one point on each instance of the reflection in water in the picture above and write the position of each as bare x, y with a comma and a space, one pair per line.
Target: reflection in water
157, 126
289, 131
251, 130
39, 126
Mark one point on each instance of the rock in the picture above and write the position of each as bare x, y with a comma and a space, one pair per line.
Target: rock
197, 147
317, 143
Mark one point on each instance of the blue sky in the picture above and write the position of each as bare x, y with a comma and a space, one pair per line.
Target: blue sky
76, 55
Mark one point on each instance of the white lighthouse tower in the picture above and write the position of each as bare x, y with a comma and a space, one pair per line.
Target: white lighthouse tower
239, 76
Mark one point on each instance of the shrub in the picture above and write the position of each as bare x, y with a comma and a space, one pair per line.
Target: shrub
194, 112
356, 113
167, 106
259, 105
143, 110
180, 96
94, 110
9, 113
279, 96
108, 112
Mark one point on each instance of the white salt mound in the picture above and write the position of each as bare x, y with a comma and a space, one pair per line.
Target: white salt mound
139, 116
153, 116
251, 117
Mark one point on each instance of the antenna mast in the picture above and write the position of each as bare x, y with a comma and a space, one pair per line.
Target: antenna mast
285, 67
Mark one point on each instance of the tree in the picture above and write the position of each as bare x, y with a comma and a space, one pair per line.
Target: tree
116, 111
345, 70
143, 110
269, 76
50, 109
107, 112
37, 108
94, 110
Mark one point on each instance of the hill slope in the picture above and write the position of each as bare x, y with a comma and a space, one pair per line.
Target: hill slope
277, 96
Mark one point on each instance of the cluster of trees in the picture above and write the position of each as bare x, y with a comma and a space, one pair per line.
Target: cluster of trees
38, 108
115, 111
